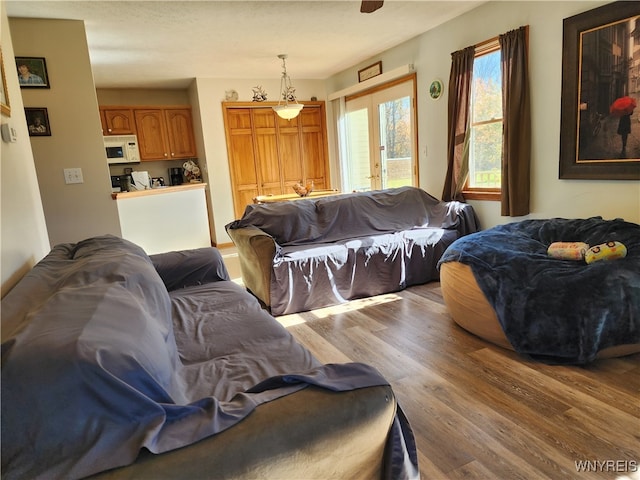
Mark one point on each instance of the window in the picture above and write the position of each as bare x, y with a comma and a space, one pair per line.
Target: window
485, 146
479, 141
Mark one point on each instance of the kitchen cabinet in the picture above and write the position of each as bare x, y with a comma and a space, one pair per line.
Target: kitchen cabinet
165, 133
268, 155
182, 143
117, 121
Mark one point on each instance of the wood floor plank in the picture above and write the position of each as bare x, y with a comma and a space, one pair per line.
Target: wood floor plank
323, 350
588, 401
478, 410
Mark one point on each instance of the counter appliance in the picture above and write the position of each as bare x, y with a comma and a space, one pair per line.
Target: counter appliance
122, 149
175, 176
120, 183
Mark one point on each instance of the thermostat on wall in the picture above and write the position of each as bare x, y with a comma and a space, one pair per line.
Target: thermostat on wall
9, 134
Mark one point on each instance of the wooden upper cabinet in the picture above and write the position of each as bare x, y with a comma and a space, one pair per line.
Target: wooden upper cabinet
182, 143
117, 121
152, 134
165, 133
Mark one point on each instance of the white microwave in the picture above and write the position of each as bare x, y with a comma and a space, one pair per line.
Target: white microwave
122, 149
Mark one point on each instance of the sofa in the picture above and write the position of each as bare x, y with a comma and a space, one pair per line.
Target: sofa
312, 253
505, 285
120, 365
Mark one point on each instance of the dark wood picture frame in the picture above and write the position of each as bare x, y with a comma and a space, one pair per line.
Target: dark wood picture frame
590, 147
37, 122
5, 106
371, 71
35, 69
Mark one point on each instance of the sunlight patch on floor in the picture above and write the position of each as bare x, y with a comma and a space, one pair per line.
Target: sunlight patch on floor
353, 305
356, 305
290, 320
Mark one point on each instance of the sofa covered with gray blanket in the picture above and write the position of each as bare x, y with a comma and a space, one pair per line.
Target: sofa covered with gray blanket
312, 253
120, 365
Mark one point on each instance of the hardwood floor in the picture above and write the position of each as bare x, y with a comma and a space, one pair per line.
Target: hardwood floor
477, 410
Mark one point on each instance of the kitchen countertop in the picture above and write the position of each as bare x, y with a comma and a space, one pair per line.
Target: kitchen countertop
157, 191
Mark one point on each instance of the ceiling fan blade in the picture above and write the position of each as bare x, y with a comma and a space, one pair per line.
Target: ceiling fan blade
369, 6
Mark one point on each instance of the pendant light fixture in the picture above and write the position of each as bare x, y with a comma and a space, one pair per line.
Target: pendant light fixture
288, 107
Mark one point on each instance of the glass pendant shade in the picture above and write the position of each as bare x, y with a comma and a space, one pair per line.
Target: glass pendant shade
288, 111
288, 107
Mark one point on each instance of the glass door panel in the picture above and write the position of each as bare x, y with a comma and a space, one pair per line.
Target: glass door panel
380, 140
358, 168
396, 156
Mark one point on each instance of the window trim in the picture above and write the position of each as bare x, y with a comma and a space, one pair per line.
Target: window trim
476, 193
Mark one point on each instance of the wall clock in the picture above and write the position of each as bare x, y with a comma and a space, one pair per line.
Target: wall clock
435, 89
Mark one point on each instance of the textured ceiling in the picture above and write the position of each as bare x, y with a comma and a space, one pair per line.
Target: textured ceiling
165, 44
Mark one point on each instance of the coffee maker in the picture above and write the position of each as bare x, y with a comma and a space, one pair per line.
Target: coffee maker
175, 176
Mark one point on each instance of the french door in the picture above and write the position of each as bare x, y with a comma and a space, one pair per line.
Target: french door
380, 139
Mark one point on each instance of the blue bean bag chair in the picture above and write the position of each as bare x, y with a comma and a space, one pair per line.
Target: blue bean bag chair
503, 285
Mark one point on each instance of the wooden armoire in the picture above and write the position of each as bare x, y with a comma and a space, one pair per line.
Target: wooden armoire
268, 155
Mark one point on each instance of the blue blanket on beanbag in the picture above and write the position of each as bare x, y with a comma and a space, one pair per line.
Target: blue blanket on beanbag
553, 310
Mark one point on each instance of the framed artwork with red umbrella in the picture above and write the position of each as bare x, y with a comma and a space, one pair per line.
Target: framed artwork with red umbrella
600, 121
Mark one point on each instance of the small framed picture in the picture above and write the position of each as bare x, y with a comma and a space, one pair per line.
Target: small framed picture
370, 72
32, 72
5, 106
38, 122
435, 89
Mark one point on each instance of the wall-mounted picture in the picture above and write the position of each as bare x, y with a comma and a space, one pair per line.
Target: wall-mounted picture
370, 72
38, 122
5, 107
32, 72
600, 124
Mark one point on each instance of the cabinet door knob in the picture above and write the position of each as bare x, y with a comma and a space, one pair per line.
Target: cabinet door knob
173, 154
166, 154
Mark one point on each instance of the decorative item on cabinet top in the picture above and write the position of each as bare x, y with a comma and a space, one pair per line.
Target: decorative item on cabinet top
259, 95
231, 96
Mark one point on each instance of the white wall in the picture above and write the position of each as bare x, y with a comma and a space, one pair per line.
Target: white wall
77, 211
23, 232
431, 55
207, 96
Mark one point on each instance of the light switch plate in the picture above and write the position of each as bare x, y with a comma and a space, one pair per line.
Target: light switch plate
73, 175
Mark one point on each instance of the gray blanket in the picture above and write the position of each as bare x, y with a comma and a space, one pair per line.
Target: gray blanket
94, 369
557, 311
343, 217
333, 249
